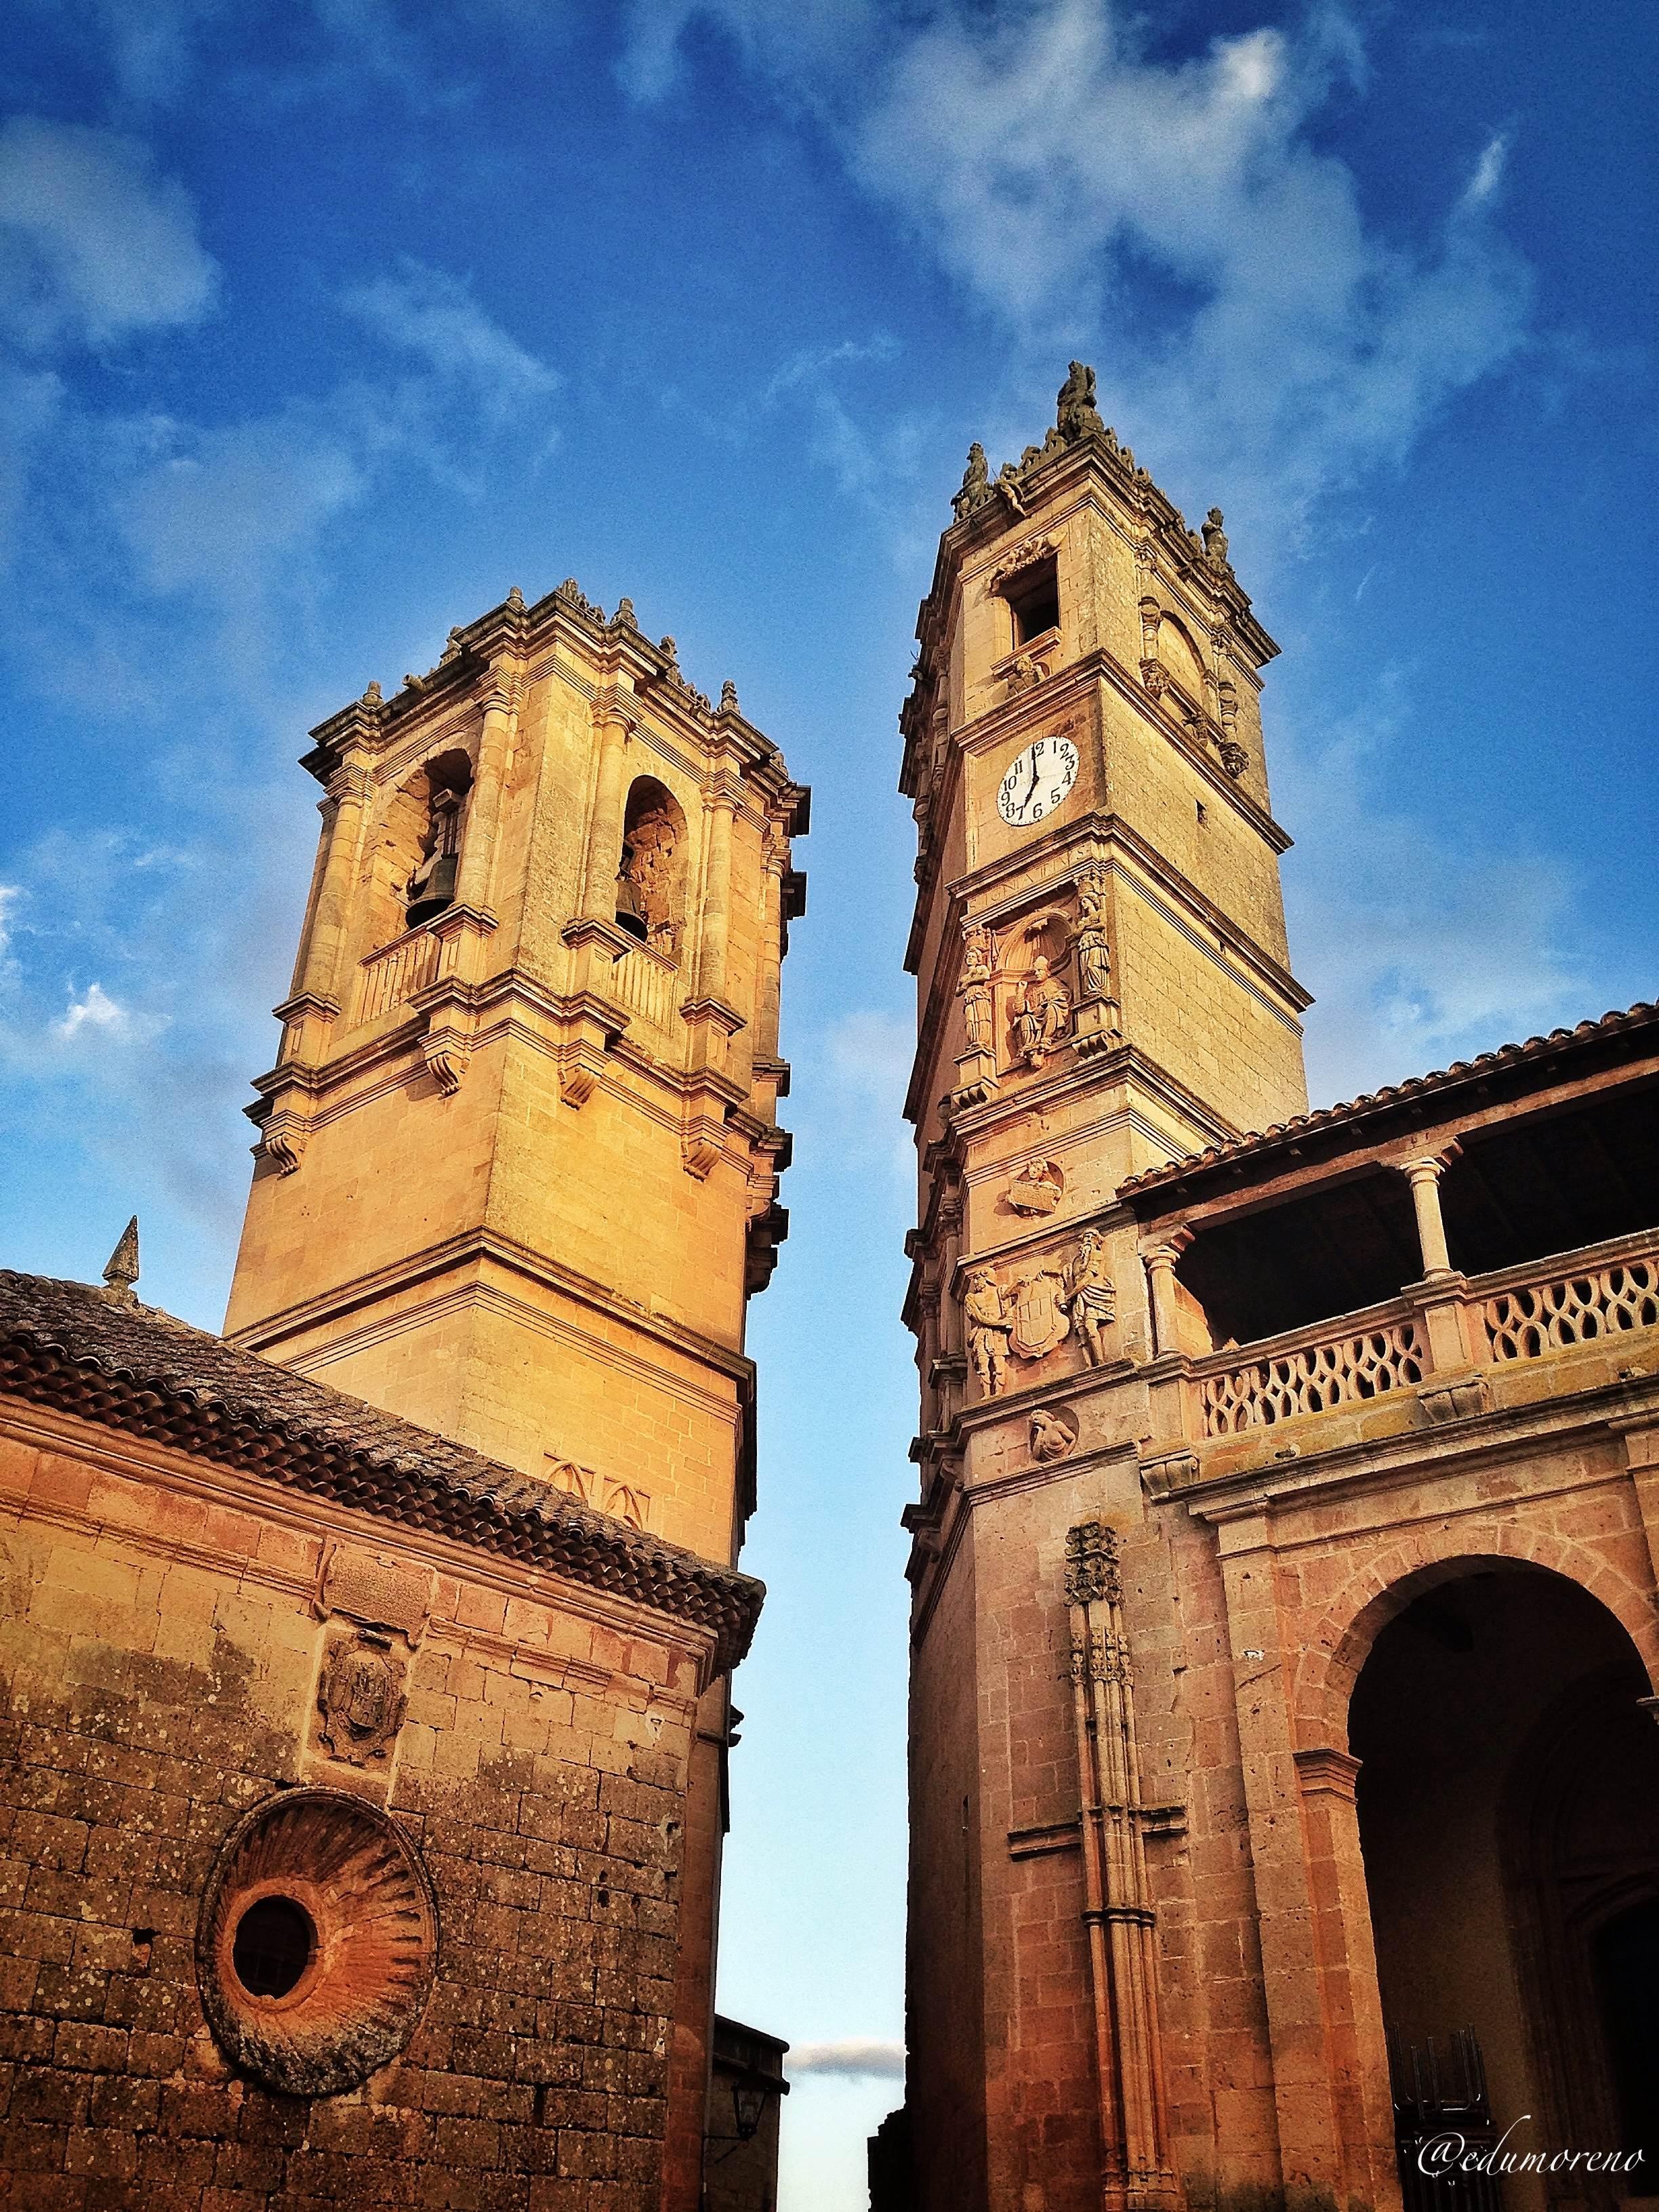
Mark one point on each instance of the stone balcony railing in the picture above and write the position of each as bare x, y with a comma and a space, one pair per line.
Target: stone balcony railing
1443, 1340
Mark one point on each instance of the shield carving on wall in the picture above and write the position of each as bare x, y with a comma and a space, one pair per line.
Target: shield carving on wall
1040, 1320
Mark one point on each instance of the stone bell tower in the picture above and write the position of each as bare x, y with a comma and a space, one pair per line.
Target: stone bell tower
1099, 944
518, 1157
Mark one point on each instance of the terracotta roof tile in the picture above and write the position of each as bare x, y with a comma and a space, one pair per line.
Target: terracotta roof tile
1641, 1016
130, 1367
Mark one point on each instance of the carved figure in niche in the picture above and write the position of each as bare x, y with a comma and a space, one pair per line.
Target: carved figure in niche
1040, 1321
989, 1328
1094, 957
648, 882
978, 960
1037, 1188
1090, 1296
976, 482
360, 1702
1215, 540
432, 886
1044, 1014
1052, 1436
1076, 416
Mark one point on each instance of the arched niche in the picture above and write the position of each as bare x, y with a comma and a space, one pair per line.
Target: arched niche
418, 857
651, 874
1179, 658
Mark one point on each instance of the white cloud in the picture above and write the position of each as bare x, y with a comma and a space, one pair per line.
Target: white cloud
864, 1058
95, 1010
1177, 219
94, 247
428, 312
1488, 171
859, 2057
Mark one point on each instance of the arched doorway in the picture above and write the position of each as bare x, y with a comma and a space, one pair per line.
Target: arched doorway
1509, 1816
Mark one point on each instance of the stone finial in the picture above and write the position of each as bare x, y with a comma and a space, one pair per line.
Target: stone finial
452, 646
624, 617
1215, 539
515, 601
121, 1269
728, 697
372, 695
670, 650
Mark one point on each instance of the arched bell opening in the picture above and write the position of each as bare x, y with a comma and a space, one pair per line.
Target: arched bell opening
431, 884
1508, 1800
651, 875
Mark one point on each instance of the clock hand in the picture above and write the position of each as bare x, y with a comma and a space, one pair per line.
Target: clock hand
1035, 772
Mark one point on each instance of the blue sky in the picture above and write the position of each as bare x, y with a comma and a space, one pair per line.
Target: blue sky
320, 325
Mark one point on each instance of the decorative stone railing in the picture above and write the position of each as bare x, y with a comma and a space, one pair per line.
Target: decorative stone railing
1449, 1324
647, 983
1312, 1370
395, 973
1608, 1291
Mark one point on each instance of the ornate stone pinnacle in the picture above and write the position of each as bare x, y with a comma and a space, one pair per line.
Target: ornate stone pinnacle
371, 694
121, 1270
728, 697
515, 600
1091, 1567
623, 617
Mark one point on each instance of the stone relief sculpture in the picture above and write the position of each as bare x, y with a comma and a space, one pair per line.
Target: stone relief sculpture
359, 1701
978, 961
988, 1331
1094, 958
1043, 1016
1040, 1319
1090, 1297
1037, 1188
1053, 1436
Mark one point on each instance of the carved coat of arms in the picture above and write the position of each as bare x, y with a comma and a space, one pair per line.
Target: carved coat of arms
361, 1702
1040, 1320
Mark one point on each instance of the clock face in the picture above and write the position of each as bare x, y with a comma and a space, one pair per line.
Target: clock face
1037, 781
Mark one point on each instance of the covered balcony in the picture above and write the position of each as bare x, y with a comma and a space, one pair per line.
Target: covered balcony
1479, 1237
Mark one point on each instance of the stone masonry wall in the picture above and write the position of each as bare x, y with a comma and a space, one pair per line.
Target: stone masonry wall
160, 1650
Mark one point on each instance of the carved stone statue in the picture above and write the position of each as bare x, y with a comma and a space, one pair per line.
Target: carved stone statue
1076, 416
1007, 483
645, 883
978, 960
1090, 1296
1044, 1015
989, 1328
1094, 958
976, 482
1215, 539
1023, 674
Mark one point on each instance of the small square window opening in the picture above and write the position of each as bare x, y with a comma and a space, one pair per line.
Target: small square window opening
1033, 596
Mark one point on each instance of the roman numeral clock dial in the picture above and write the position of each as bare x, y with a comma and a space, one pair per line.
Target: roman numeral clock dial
1037, 781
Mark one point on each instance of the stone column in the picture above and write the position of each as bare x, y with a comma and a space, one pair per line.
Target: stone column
604, 843
1423, 1176
771, 954
348, 793
1160, 1275
722, 805
484, 812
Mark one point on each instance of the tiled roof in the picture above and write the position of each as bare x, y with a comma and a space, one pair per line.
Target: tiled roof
1418, 1087
126, 1366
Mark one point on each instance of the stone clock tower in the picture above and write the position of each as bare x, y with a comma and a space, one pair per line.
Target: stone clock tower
519, 1157
1099, 945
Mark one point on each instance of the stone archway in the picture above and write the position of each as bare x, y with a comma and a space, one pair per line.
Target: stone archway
1508, 1808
